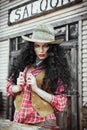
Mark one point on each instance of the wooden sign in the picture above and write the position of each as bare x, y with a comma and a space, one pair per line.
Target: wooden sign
36, 8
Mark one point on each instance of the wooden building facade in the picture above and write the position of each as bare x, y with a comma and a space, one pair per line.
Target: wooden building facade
69, 18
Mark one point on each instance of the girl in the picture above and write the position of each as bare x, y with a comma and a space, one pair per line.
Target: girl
39, 79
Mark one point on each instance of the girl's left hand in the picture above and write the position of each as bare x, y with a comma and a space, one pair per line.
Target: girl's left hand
31, 81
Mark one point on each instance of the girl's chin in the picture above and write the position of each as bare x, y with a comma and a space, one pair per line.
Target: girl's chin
42, 58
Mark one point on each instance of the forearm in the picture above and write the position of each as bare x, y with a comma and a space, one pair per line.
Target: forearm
46, 96
57, 101
11, 89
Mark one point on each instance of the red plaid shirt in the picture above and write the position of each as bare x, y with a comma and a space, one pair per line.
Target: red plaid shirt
27, 114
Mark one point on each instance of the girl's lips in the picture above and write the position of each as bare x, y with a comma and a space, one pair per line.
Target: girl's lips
41, 55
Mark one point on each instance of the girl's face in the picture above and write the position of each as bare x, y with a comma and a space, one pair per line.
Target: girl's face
41, 50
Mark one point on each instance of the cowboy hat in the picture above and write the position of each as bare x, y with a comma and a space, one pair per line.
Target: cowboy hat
43, 33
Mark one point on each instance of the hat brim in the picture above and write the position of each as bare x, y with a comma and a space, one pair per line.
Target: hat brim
59, 41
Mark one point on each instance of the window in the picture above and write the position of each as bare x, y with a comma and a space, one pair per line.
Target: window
73, 31
17, 43
60, 33
67, 32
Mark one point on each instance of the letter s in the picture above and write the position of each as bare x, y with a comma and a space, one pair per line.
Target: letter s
18, 14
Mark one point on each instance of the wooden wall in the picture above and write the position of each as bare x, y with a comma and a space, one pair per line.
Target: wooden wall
4, 59
64, 14
84, 73
60, 17
84, 61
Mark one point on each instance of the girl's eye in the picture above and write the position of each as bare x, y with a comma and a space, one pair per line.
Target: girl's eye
46, 45
36, 46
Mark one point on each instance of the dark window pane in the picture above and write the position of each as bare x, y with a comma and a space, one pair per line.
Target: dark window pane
13, 44
13, 61
60, 33
21, 45
21, 42
73, 31
19, 39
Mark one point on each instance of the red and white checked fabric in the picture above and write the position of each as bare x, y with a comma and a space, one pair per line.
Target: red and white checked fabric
27, 114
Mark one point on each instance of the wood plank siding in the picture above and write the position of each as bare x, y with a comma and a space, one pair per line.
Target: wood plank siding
84, 61
57, 16
84, 73
83, 77
64, 16
4, 59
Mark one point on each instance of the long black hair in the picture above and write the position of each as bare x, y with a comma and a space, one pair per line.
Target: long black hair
56, 64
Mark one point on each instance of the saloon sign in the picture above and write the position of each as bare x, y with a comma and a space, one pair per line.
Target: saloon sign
36, 8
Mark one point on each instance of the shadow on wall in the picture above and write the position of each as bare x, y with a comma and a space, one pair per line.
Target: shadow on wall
0, 102
3, 105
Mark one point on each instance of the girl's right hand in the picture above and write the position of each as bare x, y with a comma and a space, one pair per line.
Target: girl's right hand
20, 80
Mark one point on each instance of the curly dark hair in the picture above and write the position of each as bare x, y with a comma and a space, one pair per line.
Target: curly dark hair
56, 64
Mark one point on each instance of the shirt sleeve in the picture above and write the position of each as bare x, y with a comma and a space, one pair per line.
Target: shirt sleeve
9, 86
59, 99
10, 83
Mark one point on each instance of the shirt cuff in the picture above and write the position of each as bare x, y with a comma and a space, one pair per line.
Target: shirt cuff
59, 102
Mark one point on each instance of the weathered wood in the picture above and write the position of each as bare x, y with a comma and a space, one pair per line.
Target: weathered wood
84, 119
85, 41
84, 45
85, 89
85, 93
85, 56
57, 18
84, 85
84, 74
4, 59
80, 72
85, 32
64, 118
0, 101
85, 98
61, 17
9, 125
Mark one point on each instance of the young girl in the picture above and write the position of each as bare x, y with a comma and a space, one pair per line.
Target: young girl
39, 79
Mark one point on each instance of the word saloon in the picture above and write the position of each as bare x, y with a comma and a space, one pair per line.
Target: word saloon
36, 8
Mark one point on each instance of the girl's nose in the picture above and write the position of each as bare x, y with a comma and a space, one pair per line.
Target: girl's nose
41, 49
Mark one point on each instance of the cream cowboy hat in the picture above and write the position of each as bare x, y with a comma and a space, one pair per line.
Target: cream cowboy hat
43, 33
